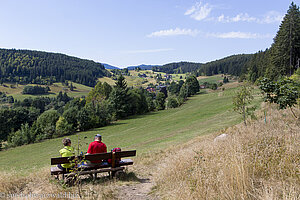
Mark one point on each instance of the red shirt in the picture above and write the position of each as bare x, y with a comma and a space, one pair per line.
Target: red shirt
97, 147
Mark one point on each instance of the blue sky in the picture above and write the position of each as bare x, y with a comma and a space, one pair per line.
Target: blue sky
133, 32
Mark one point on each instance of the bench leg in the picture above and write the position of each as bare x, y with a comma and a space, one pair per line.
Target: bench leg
92, 176
113, 173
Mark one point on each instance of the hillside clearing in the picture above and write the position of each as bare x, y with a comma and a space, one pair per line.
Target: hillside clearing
16, 90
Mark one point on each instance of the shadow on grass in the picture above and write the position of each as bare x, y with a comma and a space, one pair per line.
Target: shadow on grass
124, 177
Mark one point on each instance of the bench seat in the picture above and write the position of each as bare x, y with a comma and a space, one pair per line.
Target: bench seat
56, 171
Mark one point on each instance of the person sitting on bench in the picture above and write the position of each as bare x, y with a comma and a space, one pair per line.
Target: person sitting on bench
97, 146
67, 151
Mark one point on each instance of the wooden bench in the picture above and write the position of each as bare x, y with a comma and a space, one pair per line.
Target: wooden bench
112, 169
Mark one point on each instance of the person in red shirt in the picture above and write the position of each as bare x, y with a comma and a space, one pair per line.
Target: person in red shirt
97, 147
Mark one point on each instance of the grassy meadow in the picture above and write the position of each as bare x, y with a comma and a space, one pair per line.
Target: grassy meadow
55, 88
210, 79
200, 115
135, 81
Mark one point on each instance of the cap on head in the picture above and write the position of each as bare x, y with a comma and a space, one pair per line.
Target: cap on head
98, 136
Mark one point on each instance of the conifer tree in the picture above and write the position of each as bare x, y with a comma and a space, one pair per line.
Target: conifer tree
285, 50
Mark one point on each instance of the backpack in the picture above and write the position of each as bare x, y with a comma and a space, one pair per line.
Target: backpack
117, 149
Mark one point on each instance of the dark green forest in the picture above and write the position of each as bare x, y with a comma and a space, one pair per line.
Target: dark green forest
26, 66
177, 68
235, 65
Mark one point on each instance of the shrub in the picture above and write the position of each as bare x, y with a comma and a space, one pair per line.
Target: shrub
160, 101
172, 102
70, 115
45, 126
20, 137
35, 90
63, 127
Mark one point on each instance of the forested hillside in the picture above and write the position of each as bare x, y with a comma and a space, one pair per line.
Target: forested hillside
26, 66
177, 68
235, 65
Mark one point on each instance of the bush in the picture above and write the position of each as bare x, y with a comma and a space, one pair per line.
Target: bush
63, 127
20, 137
15, 139
283, 92
35, 90
150, 103
172, 102
45, 126
70, 115
84, 120
160, 101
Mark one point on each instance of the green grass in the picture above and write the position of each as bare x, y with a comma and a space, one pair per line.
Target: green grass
211, 79
16, 92
202, 114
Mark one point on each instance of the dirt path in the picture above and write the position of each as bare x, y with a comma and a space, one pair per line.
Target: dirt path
137, 191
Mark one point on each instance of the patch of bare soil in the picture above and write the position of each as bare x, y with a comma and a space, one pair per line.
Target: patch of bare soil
138, 191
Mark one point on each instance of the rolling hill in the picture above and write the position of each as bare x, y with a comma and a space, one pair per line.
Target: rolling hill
107, 66
143, 67
38, 67
234, 65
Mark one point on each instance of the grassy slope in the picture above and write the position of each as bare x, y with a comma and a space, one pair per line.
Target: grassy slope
210, 79
16, 92
202, 114
136, 81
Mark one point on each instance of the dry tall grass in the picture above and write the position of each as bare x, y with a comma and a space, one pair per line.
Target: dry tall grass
258, 161
41, 185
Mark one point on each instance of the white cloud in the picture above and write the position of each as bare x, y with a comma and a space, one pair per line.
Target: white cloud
238, 35
221, 18
242, 17
147, 51
199, 11
271, 17
173, 32
268, 18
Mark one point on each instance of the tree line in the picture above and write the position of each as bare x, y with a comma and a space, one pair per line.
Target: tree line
234, 65
37, 67
35, 90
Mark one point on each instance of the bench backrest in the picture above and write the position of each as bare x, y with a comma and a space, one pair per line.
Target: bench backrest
94, 157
